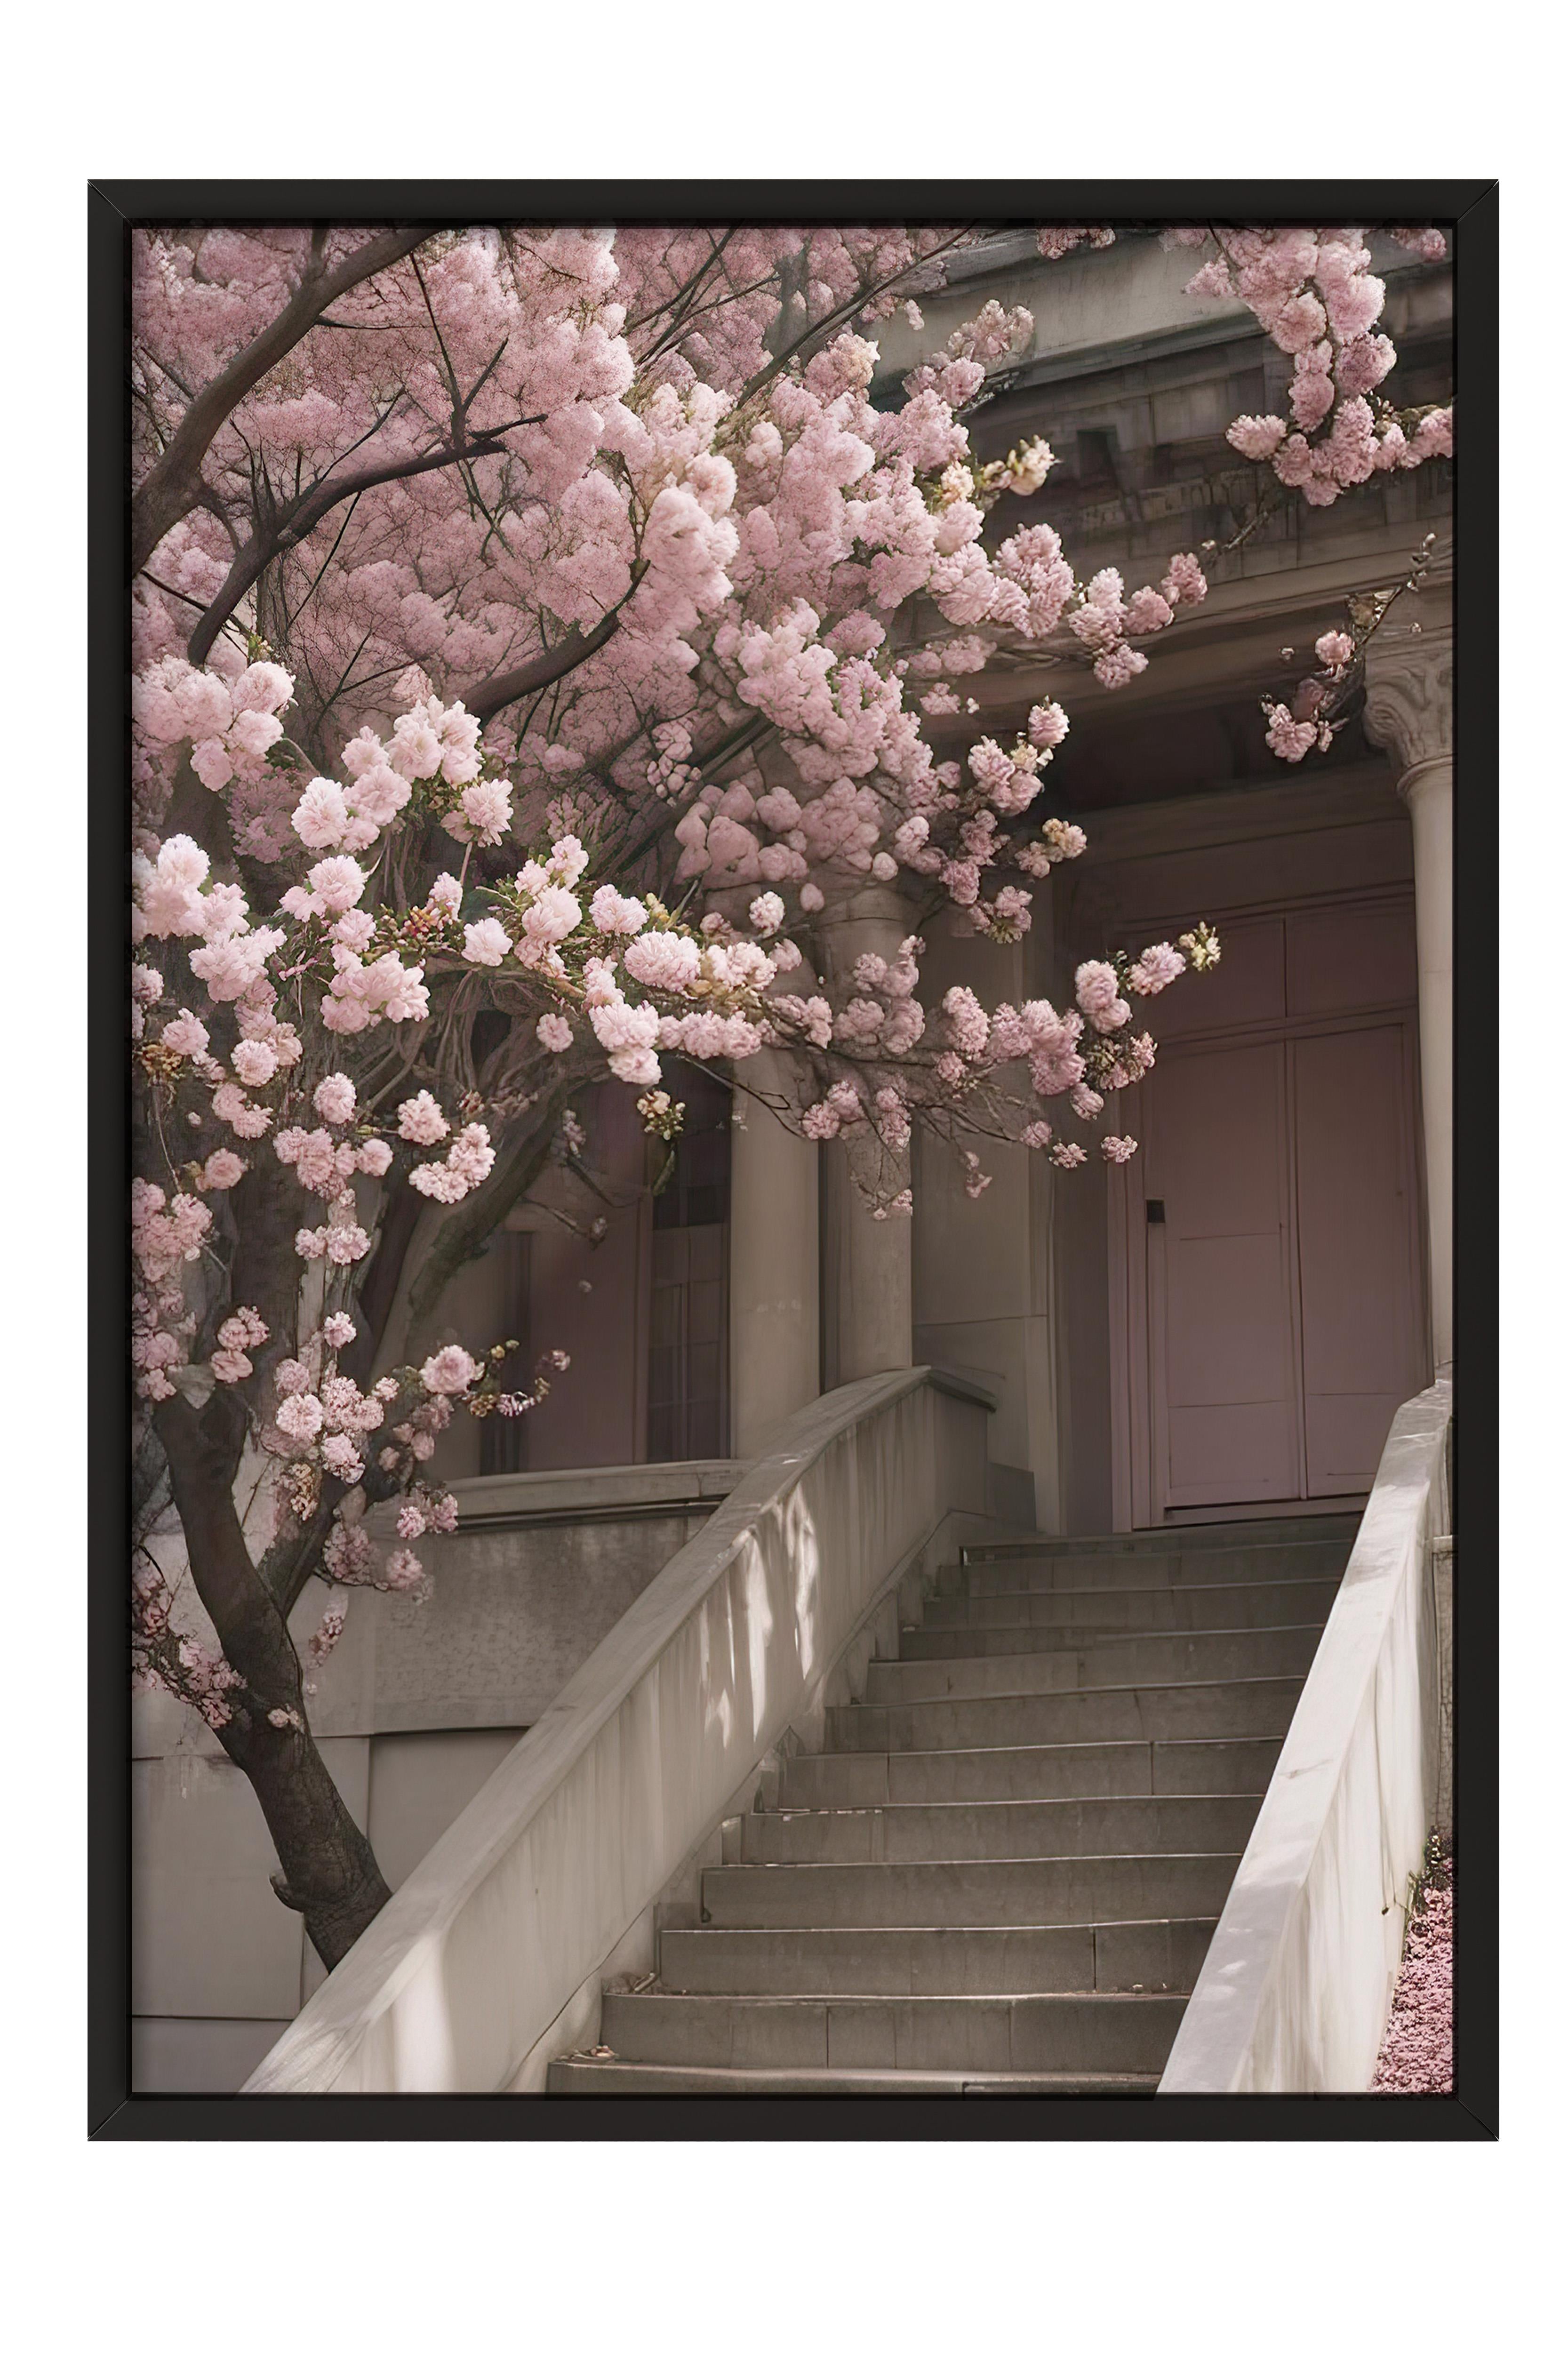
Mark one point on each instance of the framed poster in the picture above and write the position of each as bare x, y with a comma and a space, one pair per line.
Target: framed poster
781, 862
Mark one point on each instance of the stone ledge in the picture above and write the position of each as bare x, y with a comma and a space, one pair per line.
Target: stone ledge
614, 1491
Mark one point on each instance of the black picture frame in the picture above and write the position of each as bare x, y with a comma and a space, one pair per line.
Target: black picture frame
1468, 210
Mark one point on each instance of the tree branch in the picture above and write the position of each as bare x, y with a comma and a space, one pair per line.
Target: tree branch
493, 694
296, 521
174, 485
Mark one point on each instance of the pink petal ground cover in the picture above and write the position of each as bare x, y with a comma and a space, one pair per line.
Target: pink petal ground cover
1417, 2054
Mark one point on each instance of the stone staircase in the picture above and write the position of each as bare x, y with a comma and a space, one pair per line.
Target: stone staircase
1001, 1872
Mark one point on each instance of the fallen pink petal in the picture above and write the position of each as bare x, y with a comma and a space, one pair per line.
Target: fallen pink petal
1417, 2054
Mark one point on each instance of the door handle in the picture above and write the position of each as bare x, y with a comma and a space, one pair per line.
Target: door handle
1155, 1212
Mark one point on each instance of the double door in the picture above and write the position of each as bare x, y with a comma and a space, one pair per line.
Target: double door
1281, 1300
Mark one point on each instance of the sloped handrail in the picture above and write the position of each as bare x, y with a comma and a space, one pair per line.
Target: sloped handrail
1293, 1995
525, 1897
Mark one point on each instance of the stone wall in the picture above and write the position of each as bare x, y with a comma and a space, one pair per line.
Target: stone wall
415, 1709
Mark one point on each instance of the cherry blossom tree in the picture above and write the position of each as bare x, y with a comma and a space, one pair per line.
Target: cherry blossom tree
538, 638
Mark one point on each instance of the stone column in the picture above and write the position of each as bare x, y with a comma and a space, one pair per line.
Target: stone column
873, 1290
1409, 712
773, 1266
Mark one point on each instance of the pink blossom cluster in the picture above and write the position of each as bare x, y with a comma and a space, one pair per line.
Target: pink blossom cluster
162, 1657
167, 1234
468, 1160
1316, 710
230, 726
1312, 290
1106, 616
1054, 243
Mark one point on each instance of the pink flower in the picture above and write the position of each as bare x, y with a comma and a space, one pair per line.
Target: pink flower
1156, 968
300, 1417
321, 817
345, 1244
1118, 1148
338, 884
968, 1023
1147, 610
449, 1372
185, 1035
248, 1119
338, 1331
608, 912
254, 1062
1185, 581
1120, 664
1334, 648
335, 1099
483, 812
339, 1455
1256, 437
554, 916
664, 960
485, 942
420, 1120
554, 1033
1098, 996
1288, 738
222, 1171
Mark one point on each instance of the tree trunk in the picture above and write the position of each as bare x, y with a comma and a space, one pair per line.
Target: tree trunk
329, 1873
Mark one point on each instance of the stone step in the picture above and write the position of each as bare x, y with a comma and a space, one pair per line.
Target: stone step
1089, 2034
1107, 1957
616, 2078
1066, 1891
1261, 1708
1111, 1659
1110, 1769
1016, 1828
1063, 1615
1113, 1571
1211, 1536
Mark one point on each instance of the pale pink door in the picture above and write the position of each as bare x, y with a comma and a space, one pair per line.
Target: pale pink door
1283, 1284
1225, 1359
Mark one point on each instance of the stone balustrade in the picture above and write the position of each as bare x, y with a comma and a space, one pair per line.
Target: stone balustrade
488, 1960
1294, 1993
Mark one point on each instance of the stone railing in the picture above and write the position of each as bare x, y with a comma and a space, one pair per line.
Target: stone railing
488, 1959
1294, 1993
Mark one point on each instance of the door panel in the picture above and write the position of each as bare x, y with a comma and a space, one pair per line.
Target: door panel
1247, 985
1223, 1314
1342, 959
1359, 1281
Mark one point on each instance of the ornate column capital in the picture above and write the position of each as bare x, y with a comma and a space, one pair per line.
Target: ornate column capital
1410, 683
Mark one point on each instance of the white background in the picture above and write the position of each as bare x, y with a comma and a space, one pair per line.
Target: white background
755, 2245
